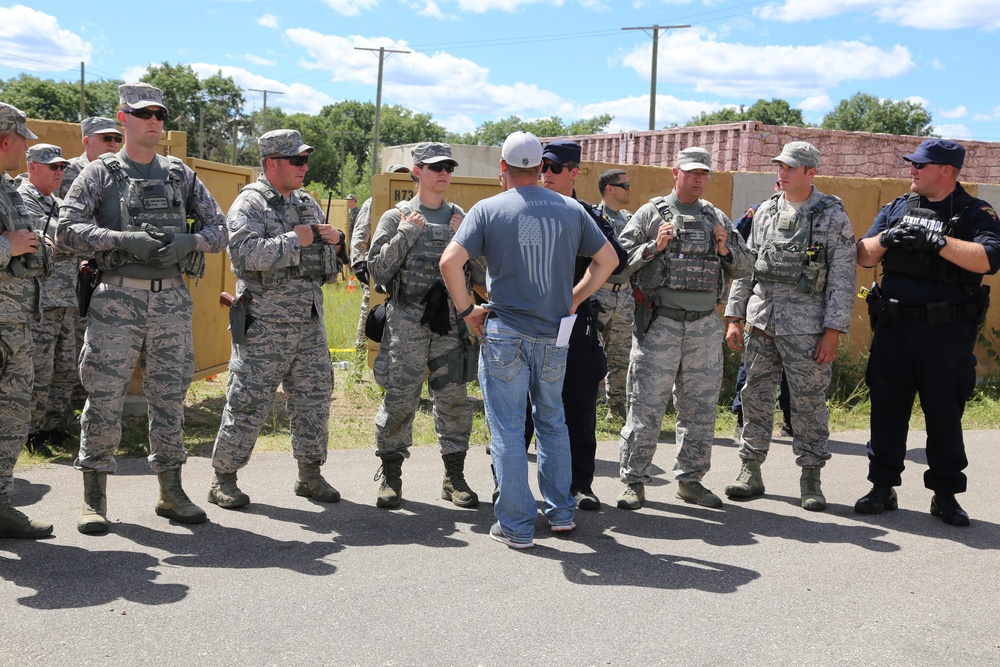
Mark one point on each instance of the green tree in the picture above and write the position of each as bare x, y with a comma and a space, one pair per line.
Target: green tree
493, 132
43, 99
770, 112
867, 113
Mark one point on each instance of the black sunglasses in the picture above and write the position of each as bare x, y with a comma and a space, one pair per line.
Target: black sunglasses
440, 166
920, 165
146, 114
111, 138
554, 167
294, 160
58, 166
623, 186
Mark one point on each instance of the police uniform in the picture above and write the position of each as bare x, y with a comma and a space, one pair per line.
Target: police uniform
926, 316
677, 335
404, 260
142, 309
284, 341
56, 334
20, 286
615, 321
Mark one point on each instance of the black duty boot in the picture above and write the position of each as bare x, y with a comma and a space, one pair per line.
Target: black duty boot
879, 499
454, 487
945, 507
390, 493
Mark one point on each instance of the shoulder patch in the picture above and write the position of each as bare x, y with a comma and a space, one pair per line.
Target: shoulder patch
988, 210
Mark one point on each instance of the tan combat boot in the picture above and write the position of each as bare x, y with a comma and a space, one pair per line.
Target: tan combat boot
312, 485
224, 492
173, 502
454, 487
93, 517
812, 494
390, 493
749, 482
14, 523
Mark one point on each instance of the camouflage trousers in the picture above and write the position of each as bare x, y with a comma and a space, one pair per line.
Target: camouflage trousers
360, 339
685, 358
127, 326
79, 395
807, 382
55, 368
615, 327
294, 355
15, 397
399, 368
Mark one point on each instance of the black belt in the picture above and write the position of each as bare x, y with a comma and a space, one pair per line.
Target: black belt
940, 312
683, 315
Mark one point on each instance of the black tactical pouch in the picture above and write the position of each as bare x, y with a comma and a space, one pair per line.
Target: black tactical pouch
88, 277
240, 318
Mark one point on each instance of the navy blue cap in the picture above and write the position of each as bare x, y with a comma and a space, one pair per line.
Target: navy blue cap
942, 151
562, 151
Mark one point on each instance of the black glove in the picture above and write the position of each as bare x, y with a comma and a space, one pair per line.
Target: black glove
176, 248
904, 236
929, 240
437, 313
140, 244
361, 272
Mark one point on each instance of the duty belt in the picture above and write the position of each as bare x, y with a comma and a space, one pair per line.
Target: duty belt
940, 312
683, 315
151, 285
615, 287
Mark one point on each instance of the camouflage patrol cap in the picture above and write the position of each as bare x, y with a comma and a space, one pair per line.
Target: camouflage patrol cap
45, 154
140, 95
797, 154
694, 157
282, 142
98, 125
431, 152
397, 169
352, 198
13, 119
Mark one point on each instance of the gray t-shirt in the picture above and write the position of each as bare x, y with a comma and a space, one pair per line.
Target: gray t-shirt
530, 238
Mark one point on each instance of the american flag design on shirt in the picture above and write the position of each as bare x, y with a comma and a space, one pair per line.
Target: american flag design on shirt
537, 241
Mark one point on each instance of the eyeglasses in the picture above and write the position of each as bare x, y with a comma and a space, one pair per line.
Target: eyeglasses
294, 160
920, 165
440, 166
623, 186
554, 167
111, 138
146, 114
58, 166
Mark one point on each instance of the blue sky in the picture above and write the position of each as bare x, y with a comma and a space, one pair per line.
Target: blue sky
477, 60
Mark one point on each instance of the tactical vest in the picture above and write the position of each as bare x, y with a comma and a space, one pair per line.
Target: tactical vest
793, 258
691, 260
16, 217
420, 269
318, 260
150, 205
926, 264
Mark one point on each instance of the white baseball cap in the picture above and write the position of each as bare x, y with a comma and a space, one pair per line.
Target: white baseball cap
522, 149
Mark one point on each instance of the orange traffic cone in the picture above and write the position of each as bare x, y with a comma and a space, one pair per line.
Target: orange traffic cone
351, 285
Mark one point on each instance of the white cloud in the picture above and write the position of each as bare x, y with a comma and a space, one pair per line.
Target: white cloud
920, 14
134, 73
953, 131
958, 112
458, 123
816, 103
350, 7
295, 97
937, 64
431, 9
437, 83
483, 6
695, 57
252, 58
982, 117
916, 99
269, 21
46, 46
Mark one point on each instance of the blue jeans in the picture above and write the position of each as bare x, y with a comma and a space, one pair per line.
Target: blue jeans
512, 367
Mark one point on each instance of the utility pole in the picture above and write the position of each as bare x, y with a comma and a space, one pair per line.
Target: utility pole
378, 101
83, 95
263, 124
656, 47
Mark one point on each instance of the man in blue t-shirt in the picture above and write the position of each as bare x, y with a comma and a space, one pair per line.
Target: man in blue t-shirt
530, 238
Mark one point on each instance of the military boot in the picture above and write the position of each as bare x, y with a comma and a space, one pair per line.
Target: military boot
311, 484
173, 502
748, 483
94, 509
632, 496
454, 487
224, 492
390, 492
695, 492
812, 494
14, 523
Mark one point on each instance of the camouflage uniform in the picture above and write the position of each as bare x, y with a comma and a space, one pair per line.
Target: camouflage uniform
360, 237
286, 339
681, 349
785, 323
615, 320
139, 312
55, 335
408, 347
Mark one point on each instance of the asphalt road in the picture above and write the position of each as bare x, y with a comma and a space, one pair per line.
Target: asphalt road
289, 581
